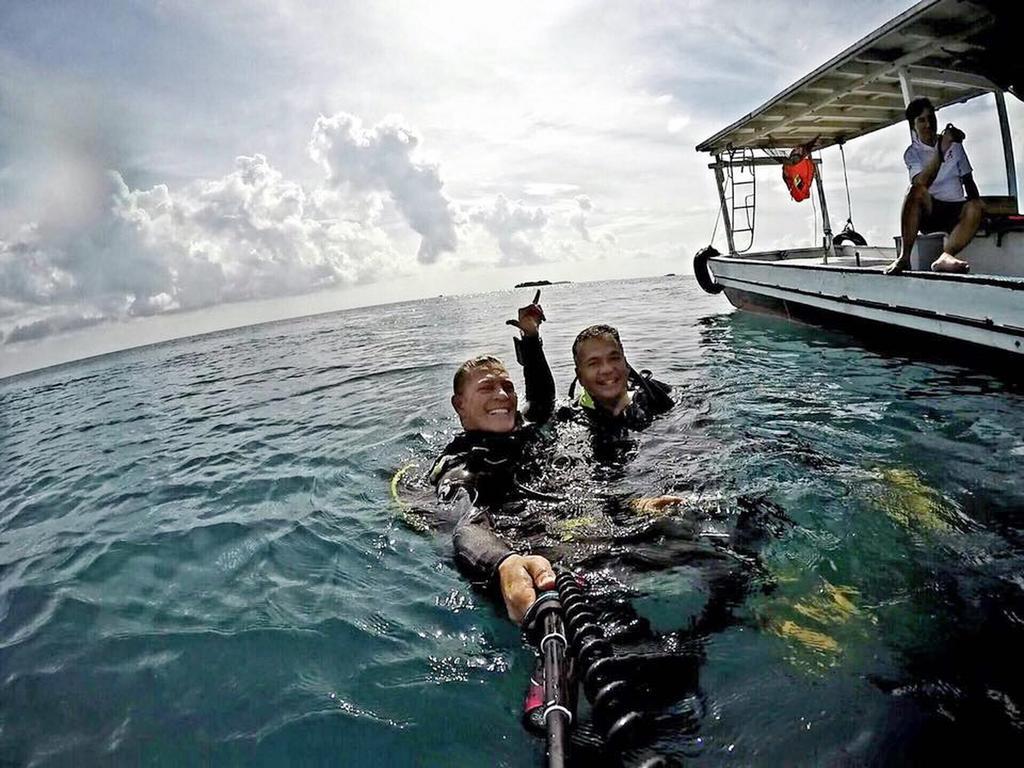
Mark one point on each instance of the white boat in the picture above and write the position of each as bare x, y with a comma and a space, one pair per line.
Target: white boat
950, 51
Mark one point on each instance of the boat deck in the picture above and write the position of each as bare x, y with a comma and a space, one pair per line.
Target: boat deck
986, 262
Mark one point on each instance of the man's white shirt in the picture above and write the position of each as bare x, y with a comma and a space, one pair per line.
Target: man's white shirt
955, 165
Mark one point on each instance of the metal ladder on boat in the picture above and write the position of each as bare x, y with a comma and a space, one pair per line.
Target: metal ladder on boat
742, 186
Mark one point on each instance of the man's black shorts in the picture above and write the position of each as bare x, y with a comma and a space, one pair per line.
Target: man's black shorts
943, 217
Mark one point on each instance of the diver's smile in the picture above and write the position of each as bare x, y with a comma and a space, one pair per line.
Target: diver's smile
488, 402
612, 379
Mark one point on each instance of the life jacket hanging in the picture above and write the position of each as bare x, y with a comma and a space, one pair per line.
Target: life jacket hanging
798, 176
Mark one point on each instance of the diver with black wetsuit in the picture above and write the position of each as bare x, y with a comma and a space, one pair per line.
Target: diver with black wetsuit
614, 403
615, 397
513, 512
480, 469
505, 499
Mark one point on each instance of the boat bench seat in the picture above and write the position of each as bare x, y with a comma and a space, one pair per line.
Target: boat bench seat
996, 223
999, 225
1002, 215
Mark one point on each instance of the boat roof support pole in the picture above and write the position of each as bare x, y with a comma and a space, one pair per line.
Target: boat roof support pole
905, 85
1004, 129
720, 180
826, 224
908, 92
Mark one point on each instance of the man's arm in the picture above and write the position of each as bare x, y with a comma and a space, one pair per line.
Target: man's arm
970, 188
516, 577
931, 169
478, 550
482, 556
966, 172
540, 384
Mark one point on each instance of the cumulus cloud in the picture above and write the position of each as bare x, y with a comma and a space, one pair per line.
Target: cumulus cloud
515, 227
548, 189
384, 158
38, 329
677, 123
248, 235
101, 249
578, 220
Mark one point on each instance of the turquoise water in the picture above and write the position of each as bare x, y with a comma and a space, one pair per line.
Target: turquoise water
200, 561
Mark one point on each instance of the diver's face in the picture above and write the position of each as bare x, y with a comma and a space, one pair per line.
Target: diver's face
601, 369
925, 126
488, 401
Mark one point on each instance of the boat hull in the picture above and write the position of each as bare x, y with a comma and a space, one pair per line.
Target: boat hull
986, 313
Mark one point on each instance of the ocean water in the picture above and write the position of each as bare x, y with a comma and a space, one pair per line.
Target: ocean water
201, 562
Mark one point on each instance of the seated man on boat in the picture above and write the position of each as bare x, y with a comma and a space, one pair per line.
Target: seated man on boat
615, 397
943, 196
479, 468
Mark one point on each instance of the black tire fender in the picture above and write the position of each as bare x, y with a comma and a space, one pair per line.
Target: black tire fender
851, 236
701, 271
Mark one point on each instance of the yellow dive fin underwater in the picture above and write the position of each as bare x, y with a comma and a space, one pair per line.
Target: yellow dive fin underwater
912, 504
820, 626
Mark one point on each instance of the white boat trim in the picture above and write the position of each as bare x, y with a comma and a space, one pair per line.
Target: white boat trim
943, 305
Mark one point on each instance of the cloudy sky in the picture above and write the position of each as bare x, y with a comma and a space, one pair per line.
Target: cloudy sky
169, 167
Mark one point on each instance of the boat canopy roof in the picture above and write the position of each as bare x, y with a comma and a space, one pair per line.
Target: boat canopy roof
947, 50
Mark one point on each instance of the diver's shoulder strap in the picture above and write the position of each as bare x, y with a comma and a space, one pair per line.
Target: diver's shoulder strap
658, 393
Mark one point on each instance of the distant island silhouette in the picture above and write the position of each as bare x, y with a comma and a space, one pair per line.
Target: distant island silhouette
535, 283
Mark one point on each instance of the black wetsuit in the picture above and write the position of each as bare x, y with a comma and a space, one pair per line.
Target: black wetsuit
488, 483
504, 494
479, 471
648, 398
519, 492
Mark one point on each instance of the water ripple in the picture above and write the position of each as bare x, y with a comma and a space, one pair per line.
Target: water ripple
200, 560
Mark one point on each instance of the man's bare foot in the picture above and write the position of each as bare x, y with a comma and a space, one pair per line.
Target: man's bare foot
947, 263
897, 266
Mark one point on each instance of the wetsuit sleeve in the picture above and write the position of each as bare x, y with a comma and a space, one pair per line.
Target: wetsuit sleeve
478, 550
540, 384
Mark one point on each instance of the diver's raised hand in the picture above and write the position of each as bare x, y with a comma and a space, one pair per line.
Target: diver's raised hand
530, 317
520, 577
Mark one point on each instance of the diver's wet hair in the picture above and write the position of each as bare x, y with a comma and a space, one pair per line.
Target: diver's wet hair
483, 361
595, 332
916, 107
